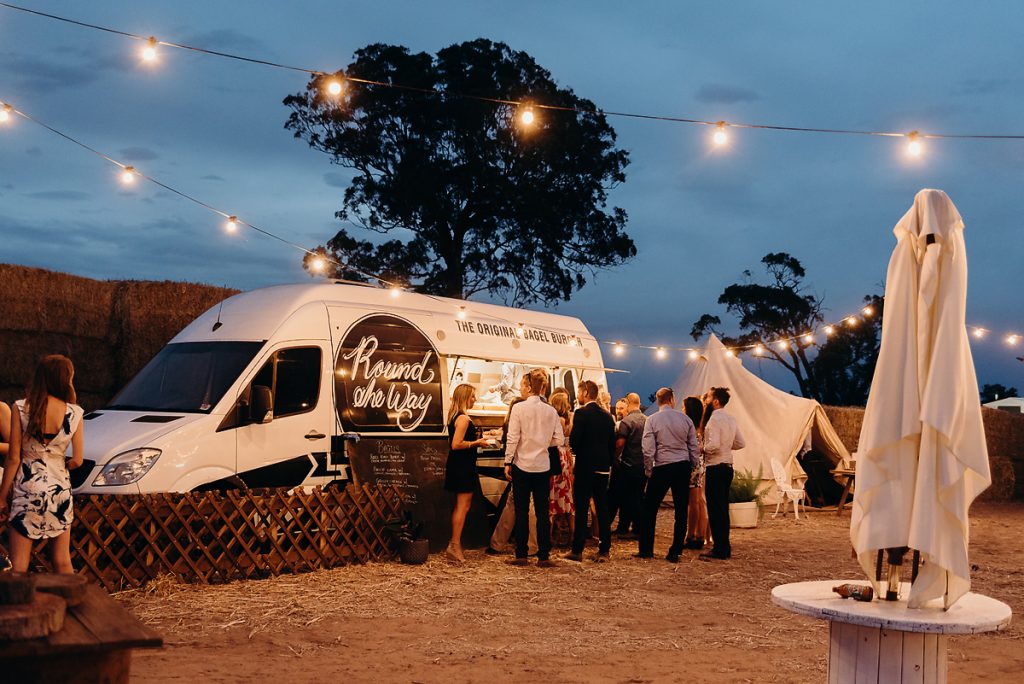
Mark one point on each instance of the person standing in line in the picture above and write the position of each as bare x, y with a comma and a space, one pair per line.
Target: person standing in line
593, 442
621, 410
721, 437
533, 426
460, 475
36, 481
670, 449
628, 479
697, 515
504, 529
562, 484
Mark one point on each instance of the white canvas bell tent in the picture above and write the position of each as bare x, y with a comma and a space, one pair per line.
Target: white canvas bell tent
774, 424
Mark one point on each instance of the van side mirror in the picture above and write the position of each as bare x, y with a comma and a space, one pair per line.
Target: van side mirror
262, 406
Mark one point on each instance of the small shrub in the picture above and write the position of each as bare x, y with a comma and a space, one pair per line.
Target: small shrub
747, 487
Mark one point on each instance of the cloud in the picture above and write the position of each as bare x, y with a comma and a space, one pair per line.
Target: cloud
719, 92
336, 180
34, 151
60, 195
32, 75
228, 40
981, 86
212, 177
138, 154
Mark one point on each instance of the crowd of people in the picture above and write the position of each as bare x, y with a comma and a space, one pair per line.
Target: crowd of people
35, 490
587, 469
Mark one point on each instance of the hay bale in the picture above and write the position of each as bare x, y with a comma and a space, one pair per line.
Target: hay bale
847, 421
94, 363
1004, 480
34, 299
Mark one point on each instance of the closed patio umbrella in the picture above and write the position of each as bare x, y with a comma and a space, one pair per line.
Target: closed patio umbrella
922, 453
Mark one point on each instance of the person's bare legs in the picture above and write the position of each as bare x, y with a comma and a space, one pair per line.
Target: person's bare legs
21, 550
462, 503
60, 553
697, 516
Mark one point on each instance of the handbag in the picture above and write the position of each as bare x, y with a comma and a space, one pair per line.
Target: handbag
556, 460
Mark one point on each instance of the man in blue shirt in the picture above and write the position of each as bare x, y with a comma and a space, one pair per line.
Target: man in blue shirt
670, 450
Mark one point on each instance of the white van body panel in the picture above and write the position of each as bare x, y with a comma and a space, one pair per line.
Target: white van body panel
197, 448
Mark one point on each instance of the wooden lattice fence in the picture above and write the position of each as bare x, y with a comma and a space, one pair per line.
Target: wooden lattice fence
126, 540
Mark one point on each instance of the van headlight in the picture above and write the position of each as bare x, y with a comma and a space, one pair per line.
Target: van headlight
126, 467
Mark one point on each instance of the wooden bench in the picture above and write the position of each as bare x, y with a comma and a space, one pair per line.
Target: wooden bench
95, 645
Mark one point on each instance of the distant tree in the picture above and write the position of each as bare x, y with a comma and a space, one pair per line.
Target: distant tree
768, 312
996, 391
845, 363
480, 202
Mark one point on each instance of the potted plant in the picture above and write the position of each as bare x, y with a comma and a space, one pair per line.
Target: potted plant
745, 495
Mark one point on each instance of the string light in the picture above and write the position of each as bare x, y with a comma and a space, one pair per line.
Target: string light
318, 264
783, 344
914, 147
128, 175
527, 118
572, 342
730, 353
759, 350
5, 113
1012, 340
520, 330
395, 291
660, 353
692, 354
829, 330
232, 224
720, 136
149, 52
334, 87
978, 333
618, 349
462, 312
808, 339
851, 321
868, 311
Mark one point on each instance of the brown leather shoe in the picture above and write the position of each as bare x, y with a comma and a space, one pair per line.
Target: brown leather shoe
518, 561
547, 563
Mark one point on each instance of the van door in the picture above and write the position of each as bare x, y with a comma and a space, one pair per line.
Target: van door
292, 449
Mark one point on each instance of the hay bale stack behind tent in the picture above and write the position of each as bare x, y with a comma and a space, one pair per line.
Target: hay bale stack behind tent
776, 425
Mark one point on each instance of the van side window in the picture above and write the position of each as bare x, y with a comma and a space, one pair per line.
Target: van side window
293, 376
570, 387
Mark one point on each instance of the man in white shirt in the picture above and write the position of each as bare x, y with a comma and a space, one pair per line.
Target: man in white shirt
721, 437
533, 426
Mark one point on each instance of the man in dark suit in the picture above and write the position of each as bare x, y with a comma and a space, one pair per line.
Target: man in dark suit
593, 443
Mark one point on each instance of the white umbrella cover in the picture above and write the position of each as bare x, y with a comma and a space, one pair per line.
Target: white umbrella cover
922, 454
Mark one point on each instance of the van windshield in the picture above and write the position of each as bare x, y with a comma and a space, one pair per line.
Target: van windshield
190, 377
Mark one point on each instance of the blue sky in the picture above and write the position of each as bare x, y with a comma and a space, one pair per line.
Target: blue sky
214, 128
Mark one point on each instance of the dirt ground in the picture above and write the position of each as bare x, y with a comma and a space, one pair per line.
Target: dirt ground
623, 621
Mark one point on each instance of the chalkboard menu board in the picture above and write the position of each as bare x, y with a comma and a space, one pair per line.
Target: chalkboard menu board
416, 468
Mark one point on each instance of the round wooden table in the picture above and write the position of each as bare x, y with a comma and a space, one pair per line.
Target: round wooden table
885, 641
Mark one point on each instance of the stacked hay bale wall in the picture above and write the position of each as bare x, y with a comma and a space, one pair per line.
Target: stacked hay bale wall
110, 329
1004, 433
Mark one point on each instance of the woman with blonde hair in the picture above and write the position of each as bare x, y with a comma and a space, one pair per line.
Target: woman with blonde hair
35, 493
460, 469
560, 505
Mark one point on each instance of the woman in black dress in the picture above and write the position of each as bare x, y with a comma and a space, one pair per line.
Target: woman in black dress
460, 470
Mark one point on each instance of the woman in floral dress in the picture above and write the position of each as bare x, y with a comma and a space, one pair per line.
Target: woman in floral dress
561, 506
35, 493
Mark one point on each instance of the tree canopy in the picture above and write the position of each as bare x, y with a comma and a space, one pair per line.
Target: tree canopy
779, 309
845, 364
995, 391
475, 200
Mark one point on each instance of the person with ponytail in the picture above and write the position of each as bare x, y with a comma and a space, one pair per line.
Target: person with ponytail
35, 493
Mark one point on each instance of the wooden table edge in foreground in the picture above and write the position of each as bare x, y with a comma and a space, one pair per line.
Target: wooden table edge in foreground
885, 641
94, 645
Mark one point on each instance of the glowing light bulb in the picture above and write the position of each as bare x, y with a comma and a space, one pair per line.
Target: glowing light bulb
573, 342
914, 147
808, 338
520, 330
692, 354
318, 264
619, 349
527, 118
868, 311
979, 333
5, 113
851, 321
660, 352
232, 224
829, 330
720, 136
759, 350
730, 353
334, 87
149, 52
128, 175
783, 344
462, 313
395, 291
1012, 340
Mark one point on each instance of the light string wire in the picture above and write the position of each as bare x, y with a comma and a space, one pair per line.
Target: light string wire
516, 103
618, 346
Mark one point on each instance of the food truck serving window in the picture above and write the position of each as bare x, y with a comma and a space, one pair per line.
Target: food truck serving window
189, 377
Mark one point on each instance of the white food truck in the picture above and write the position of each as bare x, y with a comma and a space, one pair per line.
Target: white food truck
268, 387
